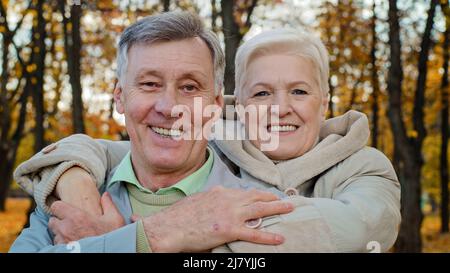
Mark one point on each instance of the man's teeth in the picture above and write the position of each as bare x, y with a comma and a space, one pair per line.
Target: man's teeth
284, 128
167, 132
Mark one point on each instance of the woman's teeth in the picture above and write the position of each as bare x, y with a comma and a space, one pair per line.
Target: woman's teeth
167, 132
284, 128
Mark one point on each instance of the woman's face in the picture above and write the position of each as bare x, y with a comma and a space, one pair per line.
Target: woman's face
289, 82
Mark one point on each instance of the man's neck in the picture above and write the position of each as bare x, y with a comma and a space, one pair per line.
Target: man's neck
158, 179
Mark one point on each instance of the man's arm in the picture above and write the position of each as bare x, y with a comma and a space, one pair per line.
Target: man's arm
40, 174
37, 238
196, 223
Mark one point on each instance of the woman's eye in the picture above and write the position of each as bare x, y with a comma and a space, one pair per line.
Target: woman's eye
261, 94
299, 92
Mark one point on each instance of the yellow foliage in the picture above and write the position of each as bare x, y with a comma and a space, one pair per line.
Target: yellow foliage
12, 221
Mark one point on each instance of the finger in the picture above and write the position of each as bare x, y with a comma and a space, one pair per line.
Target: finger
62, 209
264, 209
54, 224
59, 239
258, 195
108, 206
135, 218
260, 237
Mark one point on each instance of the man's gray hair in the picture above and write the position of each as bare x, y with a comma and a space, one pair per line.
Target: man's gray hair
170, 26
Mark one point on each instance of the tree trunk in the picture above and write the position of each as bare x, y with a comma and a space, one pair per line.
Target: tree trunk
232, 37
375, 85
38, 86
72, 45
408, 150
166, 5
9, 140
443, 168
409, 236
8, 152
330, 101
214, 16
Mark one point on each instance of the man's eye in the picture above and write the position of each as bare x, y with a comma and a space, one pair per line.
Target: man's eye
150, 84
262, 94
189, 88
299, 92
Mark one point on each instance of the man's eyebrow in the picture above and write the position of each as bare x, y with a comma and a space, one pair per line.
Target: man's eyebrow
194, 74
147, 72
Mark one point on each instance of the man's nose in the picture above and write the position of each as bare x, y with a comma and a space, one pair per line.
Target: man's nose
166, 102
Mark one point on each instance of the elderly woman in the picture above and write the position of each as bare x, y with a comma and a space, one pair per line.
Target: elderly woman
347, 196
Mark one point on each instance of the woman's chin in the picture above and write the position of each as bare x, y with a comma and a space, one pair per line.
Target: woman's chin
284, 152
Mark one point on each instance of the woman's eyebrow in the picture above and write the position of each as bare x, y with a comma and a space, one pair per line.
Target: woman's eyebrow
263, 84
299, 83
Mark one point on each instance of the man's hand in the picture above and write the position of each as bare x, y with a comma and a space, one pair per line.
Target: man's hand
77, 188
206, 220
71, 224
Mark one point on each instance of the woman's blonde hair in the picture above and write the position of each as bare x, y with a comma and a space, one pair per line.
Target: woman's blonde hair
282, 41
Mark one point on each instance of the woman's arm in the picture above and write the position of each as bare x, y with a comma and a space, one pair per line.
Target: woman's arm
40, 175
355, 208
77, 188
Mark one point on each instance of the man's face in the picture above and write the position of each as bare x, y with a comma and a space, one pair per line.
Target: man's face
158, 77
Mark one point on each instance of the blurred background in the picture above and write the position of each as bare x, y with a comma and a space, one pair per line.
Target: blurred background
389, 59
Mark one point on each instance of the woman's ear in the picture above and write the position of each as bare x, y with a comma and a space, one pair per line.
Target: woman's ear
118, 99
324, 106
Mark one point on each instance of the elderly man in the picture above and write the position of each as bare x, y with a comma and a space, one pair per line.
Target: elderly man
163, 61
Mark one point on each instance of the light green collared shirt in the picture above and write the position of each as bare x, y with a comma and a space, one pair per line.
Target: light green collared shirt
144, 202
188, 185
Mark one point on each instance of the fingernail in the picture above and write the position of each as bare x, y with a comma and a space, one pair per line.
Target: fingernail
279, 238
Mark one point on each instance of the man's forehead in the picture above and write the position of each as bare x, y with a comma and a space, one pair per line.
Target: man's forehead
187, 45
181, 56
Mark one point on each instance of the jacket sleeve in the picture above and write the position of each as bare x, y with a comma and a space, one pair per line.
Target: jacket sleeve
38, 175
37, 238
361, 212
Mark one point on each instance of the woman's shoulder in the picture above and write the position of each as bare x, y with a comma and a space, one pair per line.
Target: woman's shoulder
367, 161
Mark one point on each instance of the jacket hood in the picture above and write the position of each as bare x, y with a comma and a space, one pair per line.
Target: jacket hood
339, 138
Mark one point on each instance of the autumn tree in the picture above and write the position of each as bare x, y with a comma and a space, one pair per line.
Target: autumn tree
408, 149
443, 168
15, 88
234, 29
73, 47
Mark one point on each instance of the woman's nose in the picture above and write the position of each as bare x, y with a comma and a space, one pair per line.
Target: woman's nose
283, 104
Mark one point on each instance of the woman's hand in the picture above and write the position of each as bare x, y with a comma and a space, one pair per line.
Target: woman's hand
77, 188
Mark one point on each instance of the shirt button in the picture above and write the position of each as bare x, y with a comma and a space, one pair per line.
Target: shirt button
253, 223
49, 148
291, 191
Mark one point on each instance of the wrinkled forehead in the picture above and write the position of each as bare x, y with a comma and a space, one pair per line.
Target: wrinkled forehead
186, 56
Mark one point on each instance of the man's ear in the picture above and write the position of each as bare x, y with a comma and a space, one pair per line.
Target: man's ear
219, 101
118, 99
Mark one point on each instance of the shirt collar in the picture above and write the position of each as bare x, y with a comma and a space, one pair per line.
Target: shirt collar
189, 185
